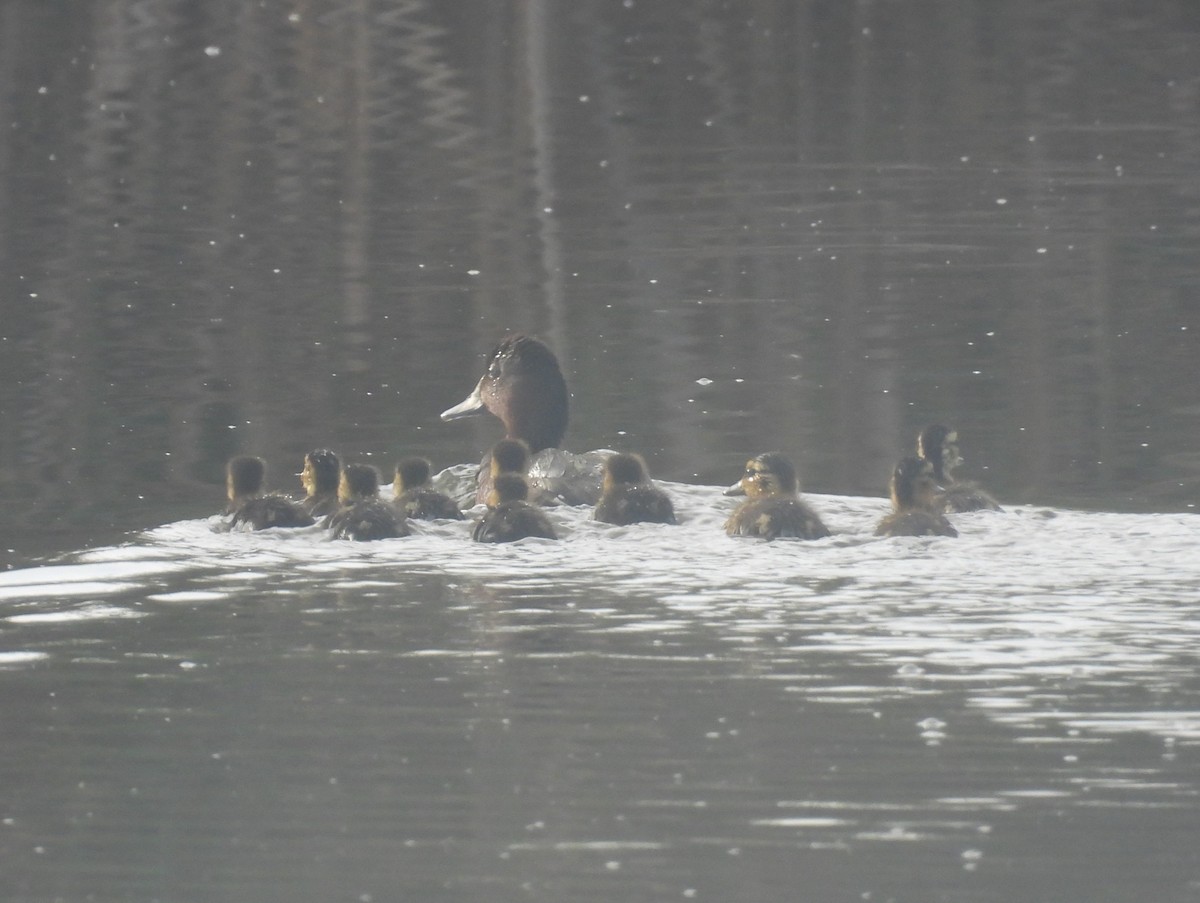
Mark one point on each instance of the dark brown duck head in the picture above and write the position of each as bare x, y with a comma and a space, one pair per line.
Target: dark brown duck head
523, 386
244, 477
913, 485
411, 473
358, 482
320, 473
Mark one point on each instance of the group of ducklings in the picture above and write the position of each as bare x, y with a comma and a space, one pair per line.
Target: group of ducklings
346, 496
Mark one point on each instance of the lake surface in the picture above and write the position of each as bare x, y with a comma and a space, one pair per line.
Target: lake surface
811, 226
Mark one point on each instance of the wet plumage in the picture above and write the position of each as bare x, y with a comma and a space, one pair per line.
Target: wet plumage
253, 510
914, 503
628, 496
509, 516
415, 498
319, 477
364, 516
773, 507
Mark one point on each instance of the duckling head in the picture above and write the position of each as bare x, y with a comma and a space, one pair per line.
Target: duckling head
624, 468
358, 482
938, 445
508, 487
767, 474
509, 456
244, 476
320, 473
913, 485
523, 386
412, 473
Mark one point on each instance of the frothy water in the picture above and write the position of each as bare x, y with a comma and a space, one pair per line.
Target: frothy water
851, 695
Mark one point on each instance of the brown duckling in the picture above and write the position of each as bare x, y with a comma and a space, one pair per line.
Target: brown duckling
938, 445
364, 515
773, 507
251, 509
415, 498
629, 497
510, 517
914, 500
320, 481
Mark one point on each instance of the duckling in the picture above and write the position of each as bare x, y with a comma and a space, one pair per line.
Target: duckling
914, 498
364, 516
938, 445
415, 498
523, 385
320, 481
629, 497
773, 507
509, 516
251, 509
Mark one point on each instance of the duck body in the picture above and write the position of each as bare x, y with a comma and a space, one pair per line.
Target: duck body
628, 496
509, 517
250, 508
773, 508
415, 498
524, 387
938, 445
915, 503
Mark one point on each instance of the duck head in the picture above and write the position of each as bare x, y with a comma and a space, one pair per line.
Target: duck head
624, 468
523, 386
358, 482
938, 445
508, 487
411, 473
767, 474
320, 473
244, 476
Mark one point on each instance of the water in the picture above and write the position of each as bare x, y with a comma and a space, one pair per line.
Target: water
801, 225
642, 713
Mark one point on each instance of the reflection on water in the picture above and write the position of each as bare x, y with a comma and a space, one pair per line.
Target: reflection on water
651, 711
803, 225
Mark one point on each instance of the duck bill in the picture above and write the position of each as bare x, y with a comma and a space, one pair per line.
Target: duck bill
472, 404
735, 489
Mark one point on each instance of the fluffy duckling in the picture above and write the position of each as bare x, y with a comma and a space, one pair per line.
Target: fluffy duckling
415, 498
629, 497
773, 507
320, 481
251, 509
364, 516
509, 516
938, 445
914, 498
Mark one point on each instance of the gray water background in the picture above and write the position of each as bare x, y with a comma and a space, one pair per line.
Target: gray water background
811, 226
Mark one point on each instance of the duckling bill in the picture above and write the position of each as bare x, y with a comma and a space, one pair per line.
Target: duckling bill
629, 497
773, 507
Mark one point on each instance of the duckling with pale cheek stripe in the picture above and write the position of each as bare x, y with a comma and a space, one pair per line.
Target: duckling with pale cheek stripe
773, 507
251, 509
320, 481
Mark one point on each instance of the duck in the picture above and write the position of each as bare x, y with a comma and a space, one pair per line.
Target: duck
415, 498
364, 516
628, 496
509, 516
319, 477
773, 507
250, 507
938, 445
523, 386
914, 503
